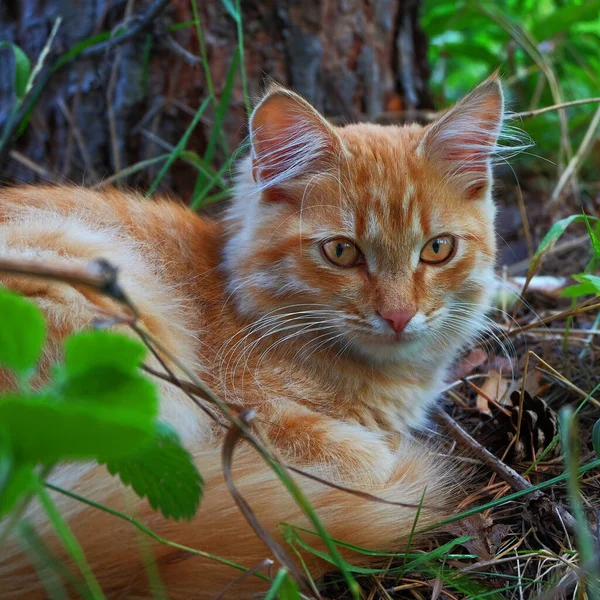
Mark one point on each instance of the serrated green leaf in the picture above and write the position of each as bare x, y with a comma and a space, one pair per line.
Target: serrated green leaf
92, 350
125, 392
45, 430
596, 438
164, 473
22, 333
22, 69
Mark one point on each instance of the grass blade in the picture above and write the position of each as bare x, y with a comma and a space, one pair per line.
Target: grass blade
585, 543
132, 169
149, 532
240, 36
179, 148
69, 540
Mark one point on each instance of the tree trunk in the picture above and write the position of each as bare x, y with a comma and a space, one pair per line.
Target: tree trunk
128, 102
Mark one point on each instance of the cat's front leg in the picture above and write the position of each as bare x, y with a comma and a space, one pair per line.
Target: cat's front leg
330, 447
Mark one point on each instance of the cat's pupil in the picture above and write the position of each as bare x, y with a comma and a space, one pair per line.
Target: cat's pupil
436, 246
339, 250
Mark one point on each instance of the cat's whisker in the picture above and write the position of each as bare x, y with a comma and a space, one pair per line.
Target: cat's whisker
301, 327
274, 315
312, 328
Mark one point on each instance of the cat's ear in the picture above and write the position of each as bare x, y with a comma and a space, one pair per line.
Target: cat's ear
289, 139
462, 141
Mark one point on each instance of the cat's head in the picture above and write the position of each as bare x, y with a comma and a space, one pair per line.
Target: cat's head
377, 240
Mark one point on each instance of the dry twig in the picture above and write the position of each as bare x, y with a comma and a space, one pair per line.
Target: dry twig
538, 501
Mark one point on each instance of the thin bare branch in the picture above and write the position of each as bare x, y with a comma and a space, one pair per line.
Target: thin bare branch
575, 163
540, 111
99, 275
234, 435
516, 481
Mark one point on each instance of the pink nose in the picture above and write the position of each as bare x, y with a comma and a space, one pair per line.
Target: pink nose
399, 319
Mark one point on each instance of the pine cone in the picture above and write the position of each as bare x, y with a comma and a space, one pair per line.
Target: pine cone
539, 425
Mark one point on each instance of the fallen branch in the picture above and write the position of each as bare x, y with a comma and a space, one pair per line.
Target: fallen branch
538, 501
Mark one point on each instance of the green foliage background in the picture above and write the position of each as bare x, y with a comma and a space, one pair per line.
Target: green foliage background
548, 52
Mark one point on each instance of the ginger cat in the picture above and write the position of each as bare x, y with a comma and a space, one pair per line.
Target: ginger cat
352, 267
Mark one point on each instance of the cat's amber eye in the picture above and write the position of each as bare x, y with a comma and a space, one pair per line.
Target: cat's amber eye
438, 250
342, 252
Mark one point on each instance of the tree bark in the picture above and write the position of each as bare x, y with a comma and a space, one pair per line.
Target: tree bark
353, 59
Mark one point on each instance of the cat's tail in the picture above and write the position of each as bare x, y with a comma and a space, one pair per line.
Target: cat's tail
124, 560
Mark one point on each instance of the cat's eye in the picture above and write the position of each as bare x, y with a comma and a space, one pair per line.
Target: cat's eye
438, 250
342, 252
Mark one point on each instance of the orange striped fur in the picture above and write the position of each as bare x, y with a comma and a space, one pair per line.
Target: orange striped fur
252, 305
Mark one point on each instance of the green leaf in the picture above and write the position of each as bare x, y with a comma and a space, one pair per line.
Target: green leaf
125, 392
576, 291
199, 194
596, 438
92, 350
45, 430
22, 333
164, 473
15, 480
593, 280
589, 285
22, 69
551, 238
19, 481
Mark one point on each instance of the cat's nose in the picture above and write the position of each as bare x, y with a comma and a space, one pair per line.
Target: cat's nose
399, 319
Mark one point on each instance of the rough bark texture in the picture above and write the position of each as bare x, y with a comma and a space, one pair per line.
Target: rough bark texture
353, 59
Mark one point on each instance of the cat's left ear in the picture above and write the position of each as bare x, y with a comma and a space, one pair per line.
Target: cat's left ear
462, 141
290, 139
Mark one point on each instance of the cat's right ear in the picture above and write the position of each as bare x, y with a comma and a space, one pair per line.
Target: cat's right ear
290, 139
463, 140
